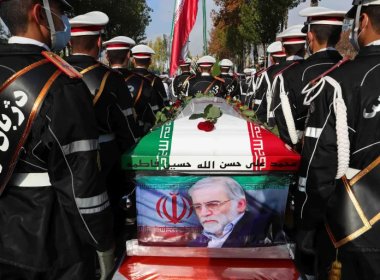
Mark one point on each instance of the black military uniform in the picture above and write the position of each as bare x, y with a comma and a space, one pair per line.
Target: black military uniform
113, 107
156, 83
274, 101
232, 85
359, 84
145, 100
247, 88
294, 81
178, 84
54, 208
264, 80
205, 84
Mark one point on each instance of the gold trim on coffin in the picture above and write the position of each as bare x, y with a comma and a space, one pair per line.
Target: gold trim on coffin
367, 224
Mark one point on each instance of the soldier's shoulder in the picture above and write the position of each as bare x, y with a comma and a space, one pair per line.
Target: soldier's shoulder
219, 79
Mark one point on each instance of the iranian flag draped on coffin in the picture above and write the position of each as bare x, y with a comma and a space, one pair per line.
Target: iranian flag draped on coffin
238, 175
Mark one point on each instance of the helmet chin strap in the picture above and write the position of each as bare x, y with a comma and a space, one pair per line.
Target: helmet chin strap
50, 19
355, 29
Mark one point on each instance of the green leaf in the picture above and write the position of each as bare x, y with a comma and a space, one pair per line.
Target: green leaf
207, 109
164, 118
244, 108
249, 113
214, 112
196, 116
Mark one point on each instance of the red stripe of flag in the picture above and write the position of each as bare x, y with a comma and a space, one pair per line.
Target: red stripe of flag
185, 20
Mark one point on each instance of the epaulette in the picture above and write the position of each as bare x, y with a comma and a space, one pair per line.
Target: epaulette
219, 79
337, 65
62, 65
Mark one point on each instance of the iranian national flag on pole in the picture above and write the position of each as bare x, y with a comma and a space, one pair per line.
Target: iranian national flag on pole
184, 20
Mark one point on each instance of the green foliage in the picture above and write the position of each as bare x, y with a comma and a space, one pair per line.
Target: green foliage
211, 113
261, 20
127, 17
159, 60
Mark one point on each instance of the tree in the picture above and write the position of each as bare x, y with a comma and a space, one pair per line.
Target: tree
127, 17
159, 60
262, 20
225, 39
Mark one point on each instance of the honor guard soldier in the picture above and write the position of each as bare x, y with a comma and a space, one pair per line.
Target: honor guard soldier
323, 28
110, 97
142, 57
340, 159
293, 40
204, 82
264, 80
54, 209
247, 87
145, 100
180, 80
231, 81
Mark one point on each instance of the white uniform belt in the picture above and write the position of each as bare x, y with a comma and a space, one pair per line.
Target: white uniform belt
30, 180
258, 101
104, 138
351, 172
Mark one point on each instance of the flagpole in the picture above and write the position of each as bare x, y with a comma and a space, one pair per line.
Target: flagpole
172, 31
204, 28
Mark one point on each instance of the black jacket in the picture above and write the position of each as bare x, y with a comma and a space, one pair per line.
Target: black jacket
43, 226
156, 83
145, 100
294, 80
258, 101
232, 85
178, 82
359, 82
205, 85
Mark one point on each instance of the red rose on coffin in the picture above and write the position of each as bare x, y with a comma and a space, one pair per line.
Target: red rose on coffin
177, 104
206, 126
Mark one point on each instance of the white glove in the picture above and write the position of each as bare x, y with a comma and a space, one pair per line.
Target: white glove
106, 263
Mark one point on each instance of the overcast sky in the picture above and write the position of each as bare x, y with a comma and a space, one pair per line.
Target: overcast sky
163, 13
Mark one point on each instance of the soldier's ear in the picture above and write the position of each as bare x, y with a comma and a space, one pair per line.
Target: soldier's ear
39, 15
310, 36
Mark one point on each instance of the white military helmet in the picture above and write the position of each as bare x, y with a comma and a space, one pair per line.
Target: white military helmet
92, 23
142, 51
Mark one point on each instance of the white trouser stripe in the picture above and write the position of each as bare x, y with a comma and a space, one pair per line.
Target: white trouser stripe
81, 146
95, 210
313, 132
271, 114
106, 138
258, 101
30, 180
127, 112
92, 201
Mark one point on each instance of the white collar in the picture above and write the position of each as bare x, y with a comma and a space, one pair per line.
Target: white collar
374, 43
203, 74
326, 49
294, 57
27, 41
85, 54
118, 67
